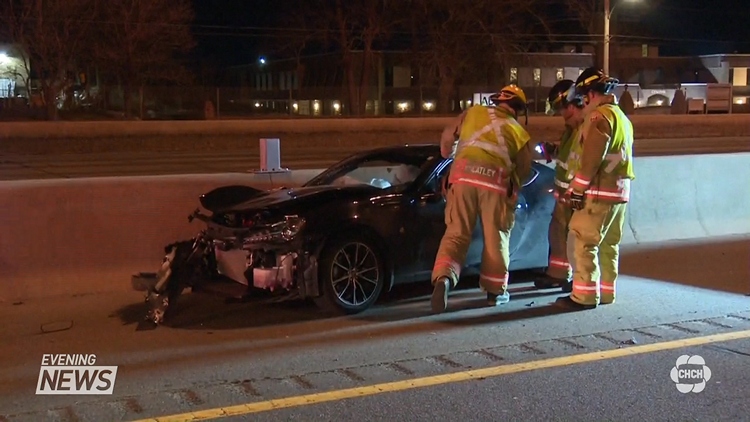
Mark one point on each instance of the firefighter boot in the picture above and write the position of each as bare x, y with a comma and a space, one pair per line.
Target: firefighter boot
544, 281
569, 304
439, 300
495, 300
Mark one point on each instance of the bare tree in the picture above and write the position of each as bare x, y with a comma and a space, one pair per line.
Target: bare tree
444, 44
53, 35
141, 40
361, 25
588, 13
462, 40
301, 33
355, 28
625, 18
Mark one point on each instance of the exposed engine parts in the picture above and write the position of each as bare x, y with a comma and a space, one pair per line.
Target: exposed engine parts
203, 263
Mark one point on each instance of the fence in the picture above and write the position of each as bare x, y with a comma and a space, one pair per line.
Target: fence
203, 102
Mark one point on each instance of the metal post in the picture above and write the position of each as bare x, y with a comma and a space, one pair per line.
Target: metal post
607, 16
218, 101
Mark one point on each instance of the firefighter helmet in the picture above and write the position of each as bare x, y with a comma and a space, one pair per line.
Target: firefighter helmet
560, 96
511, 95
595, 80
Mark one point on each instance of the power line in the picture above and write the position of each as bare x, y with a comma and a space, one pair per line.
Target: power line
234, 31
559, 38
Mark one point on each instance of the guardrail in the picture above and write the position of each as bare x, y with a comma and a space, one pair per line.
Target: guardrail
66, 237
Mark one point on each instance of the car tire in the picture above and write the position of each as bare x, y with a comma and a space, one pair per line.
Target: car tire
356, 291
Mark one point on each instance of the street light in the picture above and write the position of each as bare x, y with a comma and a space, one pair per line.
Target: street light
607, 17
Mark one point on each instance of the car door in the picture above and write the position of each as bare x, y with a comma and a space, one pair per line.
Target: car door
522, 213
426, 226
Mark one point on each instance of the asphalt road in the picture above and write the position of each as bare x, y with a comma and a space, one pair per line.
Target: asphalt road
538, 364
20, 167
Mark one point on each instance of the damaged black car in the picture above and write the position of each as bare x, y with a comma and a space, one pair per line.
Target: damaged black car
367, 223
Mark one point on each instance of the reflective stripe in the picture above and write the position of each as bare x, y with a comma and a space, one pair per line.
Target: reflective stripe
481, 175
608, 287
497, 127
622, 193
487, 146
562, 184
480, 184
560, 263
494, 278
447, 263
493, 282
615, 159
562, 164
581, 181
499, 147
585, 288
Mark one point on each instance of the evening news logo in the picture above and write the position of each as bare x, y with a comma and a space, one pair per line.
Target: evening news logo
74, 375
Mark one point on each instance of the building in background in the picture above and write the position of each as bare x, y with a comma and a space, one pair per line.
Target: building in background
13, 72
314, 85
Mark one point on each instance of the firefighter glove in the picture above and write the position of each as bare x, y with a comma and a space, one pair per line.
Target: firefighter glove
550, 149
576, 200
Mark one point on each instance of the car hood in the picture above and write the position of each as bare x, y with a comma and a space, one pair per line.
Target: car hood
303, 197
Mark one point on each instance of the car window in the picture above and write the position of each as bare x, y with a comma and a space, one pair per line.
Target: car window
379, 173
532, 176
436, 183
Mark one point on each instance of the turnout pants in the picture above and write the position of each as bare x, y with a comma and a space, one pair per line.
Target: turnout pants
598, 232
465, 203
559, 265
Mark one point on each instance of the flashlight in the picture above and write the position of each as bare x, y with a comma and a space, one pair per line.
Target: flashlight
542, 149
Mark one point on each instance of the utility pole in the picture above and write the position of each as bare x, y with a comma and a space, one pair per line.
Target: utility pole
607, 18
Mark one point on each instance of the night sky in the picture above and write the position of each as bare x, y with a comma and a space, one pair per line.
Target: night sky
229, 31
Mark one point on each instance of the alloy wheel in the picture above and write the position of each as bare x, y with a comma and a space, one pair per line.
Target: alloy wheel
355, 274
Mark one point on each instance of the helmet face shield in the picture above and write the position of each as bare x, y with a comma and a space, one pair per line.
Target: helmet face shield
595, 80
558, 96
554, 107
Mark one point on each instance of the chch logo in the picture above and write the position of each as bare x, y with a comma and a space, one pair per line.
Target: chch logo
690, 374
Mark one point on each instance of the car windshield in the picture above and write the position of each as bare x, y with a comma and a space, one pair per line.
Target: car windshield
383, 171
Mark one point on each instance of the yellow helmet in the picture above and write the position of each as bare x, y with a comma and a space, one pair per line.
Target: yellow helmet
511, 95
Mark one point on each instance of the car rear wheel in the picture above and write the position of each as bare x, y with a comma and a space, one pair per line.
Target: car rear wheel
352, 275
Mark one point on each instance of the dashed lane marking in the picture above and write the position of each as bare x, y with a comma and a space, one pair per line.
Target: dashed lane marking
414, 383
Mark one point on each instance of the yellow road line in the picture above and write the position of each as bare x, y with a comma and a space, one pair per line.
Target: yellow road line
389, 387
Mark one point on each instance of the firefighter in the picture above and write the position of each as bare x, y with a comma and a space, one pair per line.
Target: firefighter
559, 272
601, 166
491, 156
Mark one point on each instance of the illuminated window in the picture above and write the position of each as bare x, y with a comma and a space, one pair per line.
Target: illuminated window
560, 74
738, 76
537, 76
514, 75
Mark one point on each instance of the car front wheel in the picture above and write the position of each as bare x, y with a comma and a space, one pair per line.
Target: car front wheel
352, 275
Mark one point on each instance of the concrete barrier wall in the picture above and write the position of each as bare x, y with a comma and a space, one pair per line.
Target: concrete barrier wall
66, 237
296, 134
690, 196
